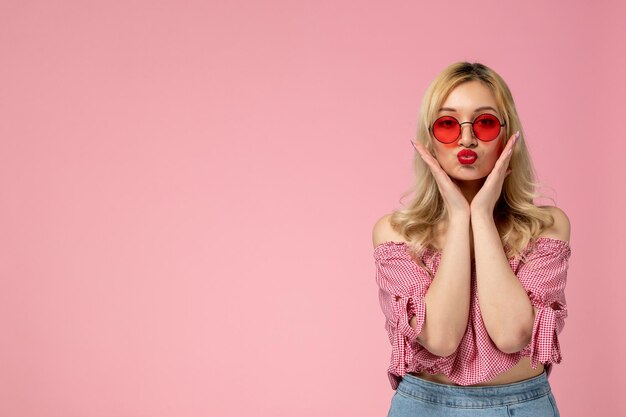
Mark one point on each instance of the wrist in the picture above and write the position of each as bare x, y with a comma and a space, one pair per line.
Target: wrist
459, 216
481, 215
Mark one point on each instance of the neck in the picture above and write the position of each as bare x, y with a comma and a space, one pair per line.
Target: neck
470, 188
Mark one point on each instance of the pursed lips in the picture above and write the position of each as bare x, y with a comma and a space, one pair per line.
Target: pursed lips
466, 153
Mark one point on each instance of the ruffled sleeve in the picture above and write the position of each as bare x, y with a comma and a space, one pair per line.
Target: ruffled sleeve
402, 286
544, 275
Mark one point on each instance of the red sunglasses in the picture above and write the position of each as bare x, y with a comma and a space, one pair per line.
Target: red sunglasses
447, 129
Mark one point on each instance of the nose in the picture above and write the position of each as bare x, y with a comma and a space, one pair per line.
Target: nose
467, 135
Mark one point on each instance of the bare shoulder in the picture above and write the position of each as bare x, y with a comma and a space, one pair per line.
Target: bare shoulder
561, 227
384, 232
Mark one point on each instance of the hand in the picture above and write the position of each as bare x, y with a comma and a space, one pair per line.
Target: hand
455, 201
485, 200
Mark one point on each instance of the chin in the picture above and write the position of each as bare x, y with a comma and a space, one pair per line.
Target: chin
468, 180
468, 175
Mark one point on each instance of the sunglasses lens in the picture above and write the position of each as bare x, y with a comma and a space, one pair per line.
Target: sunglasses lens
446, 129
486, 127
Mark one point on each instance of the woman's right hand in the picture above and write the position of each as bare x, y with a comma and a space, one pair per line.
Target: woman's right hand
455, 201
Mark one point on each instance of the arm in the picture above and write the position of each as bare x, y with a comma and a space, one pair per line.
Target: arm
447, 298
506, 309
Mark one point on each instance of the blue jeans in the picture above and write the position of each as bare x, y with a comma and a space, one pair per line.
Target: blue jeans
417, 397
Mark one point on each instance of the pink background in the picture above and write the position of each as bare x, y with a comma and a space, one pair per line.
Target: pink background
188, 191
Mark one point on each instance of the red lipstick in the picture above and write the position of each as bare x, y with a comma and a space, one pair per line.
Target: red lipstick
467, 157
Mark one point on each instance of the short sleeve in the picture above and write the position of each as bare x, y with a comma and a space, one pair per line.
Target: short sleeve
402, 286
544, 275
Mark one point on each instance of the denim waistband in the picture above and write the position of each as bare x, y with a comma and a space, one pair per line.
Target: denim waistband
482, 396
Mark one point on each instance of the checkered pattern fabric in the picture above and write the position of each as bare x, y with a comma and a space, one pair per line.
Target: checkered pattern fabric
403, 284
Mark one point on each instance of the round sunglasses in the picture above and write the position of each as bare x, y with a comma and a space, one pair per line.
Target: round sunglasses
447, 129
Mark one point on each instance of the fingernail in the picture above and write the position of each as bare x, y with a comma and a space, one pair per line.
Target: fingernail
517, 135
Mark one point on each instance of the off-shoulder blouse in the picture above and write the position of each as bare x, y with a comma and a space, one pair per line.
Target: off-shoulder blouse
403, 284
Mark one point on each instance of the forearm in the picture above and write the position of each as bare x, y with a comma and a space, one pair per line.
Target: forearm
506, 310
448, 297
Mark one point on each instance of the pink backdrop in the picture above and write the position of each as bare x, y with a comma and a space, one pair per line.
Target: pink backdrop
188, 190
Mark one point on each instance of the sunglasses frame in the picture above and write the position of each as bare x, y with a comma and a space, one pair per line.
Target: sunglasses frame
432, 132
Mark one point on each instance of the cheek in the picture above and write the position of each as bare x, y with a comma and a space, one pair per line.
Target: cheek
501, 146
445, 149
495, 153
497, 150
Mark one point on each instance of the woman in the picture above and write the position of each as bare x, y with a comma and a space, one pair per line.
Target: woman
472, 274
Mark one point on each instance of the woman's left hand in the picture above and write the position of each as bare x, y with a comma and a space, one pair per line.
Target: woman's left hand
487, 197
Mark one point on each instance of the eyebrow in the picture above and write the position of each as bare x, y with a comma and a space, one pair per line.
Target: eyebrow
475, 111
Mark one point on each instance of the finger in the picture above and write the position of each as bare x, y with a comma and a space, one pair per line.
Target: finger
508, 148
504, 164
507, 152
512, 141
426, 156
500, 170
420, 149
439, 174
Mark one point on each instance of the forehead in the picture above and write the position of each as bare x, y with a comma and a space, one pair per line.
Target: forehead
468, 96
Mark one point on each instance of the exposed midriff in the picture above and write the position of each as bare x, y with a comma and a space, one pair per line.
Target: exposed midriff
519, 372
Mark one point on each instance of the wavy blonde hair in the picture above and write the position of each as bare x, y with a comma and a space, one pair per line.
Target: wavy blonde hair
518, 220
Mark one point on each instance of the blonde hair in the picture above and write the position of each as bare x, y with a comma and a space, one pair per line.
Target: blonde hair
518, 220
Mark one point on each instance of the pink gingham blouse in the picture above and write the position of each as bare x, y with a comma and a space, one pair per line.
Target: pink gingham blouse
403, 284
